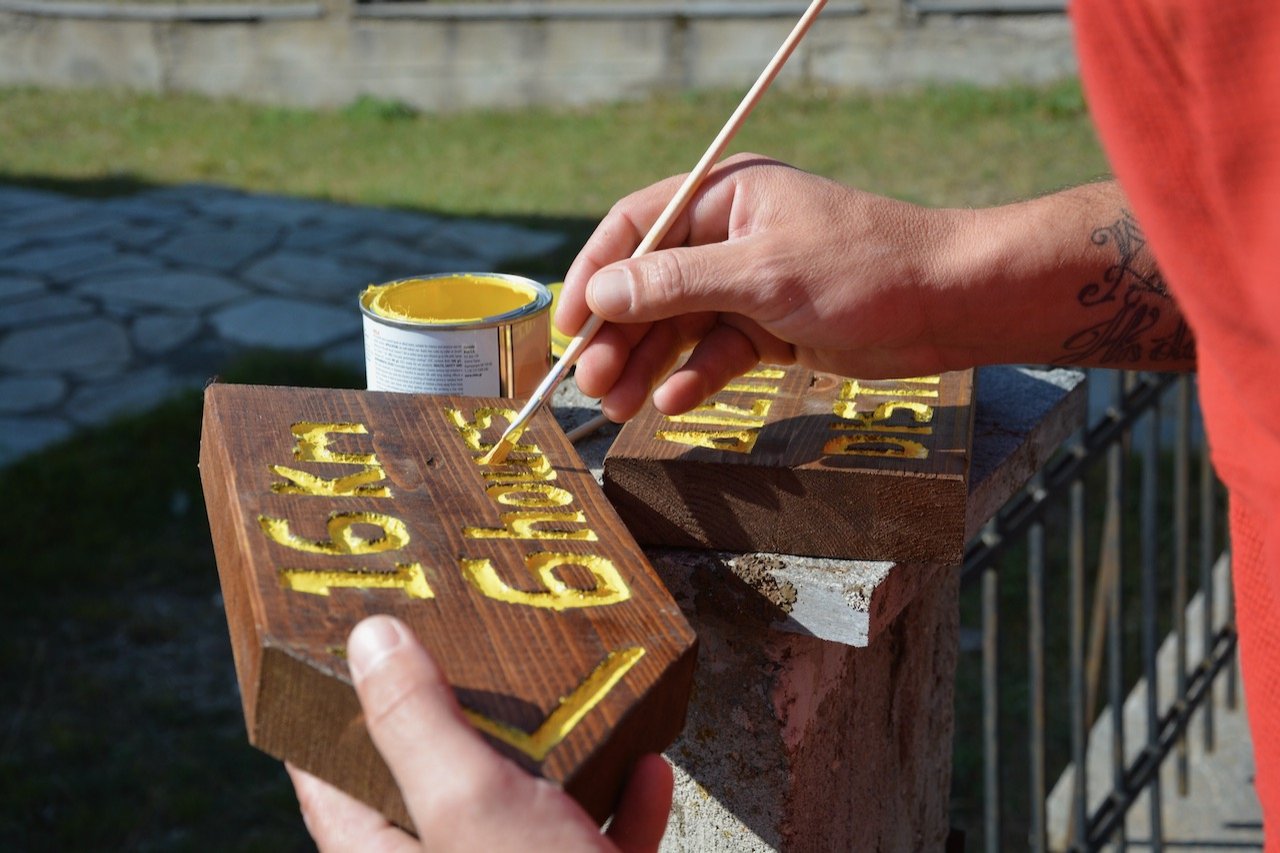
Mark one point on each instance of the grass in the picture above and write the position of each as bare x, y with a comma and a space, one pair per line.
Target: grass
944, 146
122, 726
120, 723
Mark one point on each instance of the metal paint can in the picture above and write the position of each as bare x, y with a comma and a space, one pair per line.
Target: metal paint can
469, 334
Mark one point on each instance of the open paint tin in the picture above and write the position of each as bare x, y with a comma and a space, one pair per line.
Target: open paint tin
470, 334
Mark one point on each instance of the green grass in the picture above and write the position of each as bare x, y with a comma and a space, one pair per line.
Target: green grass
953, 146
120, 723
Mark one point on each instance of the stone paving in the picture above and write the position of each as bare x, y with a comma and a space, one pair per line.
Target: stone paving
110, 306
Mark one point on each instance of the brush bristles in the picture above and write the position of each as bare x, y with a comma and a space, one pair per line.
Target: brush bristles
498, 453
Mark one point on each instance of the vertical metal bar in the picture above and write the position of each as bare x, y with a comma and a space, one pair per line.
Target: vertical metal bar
1207, 591
991, 709
1116, 473
1037, 831
1233, 667
1080, 792
1150, 641
1181, 547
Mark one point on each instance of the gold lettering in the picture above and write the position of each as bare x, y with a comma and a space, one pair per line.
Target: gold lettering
562, 720
878, 419
738, 385
733, 441
410, 578
723, 414
851, 388
342, 538
313, 443
520, 525
871, 444
609, 587
354, 485
531, 470
529, 494
482, 419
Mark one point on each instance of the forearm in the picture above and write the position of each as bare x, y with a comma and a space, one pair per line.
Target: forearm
1067, 278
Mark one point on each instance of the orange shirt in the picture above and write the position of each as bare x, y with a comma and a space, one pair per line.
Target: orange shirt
1186, 98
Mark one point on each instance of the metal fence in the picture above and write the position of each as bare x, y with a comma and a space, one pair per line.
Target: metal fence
1123, 512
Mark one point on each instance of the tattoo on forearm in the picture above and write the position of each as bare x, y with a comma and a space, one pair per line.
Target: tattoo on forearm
1134, 300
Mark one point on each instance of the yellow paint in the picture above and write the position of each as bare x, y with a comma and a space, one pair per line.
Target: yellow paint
534, 469
873, 444
446, 300
411, 578
472, 431
609, 587
568, 713
747, 387
880, 417
724, 414
529, 495
731, 440
342, 538
853, 387
520, 525
358, 484
313, 443
559, 340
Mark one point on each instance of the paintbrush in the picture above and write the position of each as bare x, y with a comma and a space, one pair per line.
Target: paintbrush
659, 230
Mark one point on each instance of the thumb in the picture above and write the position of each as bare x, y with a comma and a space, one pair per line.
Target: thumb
438, 760
685, 280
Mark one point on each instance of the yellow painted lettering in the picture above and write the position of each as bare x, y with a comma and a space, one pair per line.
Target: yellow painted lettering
883, 414
342, 537
564, 717
872, 444
724, 414
534, 495
410, 578
531, 470
359, 484
313, 443
733, 441
520, 525
609, 587
481, 420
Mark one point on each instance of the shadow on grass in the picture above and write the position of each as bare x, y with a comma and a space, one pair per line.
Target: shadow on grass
121, 722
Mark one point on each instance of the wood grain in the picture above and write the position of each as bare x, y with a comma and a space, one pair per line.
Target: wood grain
326, 506
796, 462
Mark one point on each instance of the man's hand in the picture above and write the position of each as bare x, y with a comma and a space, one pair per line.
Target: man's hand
772, 264
768, 263
459, 792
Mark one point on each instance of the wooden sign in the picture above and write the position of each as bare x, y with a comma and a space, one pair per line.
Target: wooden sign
327, 506
796, 462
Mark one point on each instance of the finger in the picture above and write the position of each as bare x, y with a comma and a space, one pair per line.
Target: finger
338, 822
615, 238
641, 817
649, 361
442, 765
725, 353
603, 361
719, 277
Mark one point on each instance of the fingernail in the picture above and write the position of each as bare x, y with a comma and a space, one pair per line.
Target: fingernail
611, 292
372, 641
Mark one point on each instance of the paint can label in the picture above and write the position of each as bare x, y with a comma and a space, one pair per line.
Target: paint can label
468, 334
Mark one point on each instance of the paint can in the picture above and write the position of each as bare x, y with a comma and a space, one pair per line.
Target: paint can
469, 334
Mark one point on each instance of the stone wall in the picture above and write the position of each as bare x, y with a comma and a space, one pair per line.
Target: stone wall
444, 56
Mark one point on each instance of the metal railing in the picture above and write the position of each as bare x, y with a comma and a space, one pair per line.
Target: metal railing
1120, 499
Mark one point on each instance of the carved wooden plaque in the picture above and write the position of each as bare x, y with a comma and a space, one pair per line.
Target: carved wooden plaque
797, 462
327, 506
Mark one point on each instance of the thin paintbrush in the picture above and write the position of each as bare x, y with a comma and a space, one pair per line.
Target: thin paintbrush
659, 230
